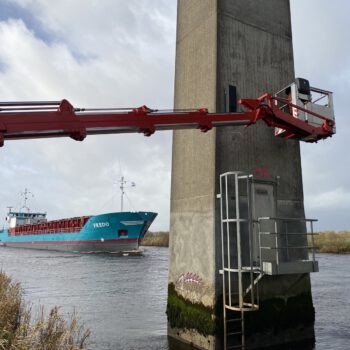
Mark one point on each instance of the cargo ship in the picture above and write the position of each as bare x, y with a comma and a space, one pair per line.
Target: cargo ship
117, 232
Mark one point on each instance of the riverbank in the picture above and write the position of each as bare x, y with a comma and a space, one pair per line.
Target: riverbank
336, 242
156, 239
19, 332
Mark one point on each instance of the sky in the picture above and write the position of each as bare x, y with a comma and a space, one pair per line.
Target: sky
116, 53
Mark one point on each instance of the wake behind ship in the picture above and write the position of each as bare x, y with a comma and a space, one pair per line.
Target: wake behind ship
112, 232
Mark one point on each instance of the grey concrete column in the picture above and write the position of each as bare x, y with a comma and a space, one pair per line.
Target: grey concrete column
246, 44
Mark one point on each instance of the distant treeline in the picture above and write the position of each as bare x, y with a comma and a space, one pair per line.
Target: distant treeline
333, 242
157, 239
325, 242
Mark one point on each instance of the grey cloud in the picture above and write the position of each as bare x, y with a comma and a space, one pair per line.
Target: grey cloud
77, 179
320, 29
122, 54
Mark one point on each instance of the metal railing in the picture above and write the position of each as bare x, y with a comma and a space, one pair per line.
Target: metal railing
285, 240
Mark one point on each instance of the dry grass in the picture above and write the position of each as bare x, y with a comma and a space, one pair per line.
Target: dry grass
333, 242
157, 239
326, 242
49, 332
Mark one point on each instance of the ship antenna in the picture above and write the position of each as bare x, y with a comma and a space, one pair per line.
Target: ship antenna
25, 195
123, 183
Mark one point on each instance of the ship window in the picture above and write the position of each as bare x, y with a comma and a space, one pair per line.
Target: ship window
122, 233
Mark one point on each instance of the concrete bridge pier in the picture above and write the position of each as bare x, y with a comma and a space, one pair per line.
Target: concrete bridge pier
236, 49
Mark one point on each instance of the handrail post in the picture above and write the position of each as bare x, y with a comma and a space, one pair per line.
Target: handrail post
277, 248
287, 243
259, 238
313, 241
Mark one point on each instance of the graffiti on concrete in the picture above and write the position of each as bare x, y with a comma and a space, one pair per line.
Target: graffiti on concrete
261, 172
191, 286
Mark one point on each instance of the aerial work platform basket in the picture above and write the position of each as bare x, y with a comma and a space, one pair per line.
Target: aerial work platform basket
306, 103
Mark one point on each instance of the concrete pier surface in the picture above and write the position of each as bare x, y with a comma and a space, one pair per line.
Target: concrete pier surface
237, 49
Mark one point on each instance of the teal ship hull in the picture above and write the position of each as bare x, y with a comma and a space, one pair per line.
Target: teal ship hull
112, 232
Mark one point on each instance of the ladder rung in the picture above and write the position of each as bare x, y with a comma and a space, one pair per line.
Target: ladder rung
289, 247
233, 333
234, 320
234, 347
234, 220
245, 269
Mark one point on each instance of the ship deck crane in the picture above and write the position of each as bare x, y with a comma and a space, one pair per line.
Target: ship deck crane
298, 111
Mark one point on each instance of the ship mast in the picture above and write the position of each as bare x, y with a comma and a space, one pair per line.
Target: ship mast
122, 186
25, 195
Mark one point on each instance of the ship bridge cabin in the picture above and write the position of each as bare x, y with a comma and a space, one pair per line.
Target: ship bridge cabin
19, 218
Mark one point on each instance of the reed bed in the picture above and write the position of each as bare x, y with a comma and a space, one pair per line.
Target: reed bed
157, 239
18, 330
337, 242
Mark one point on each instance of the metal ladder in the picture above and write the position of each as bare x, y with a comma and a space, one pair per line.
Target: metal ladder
240, 273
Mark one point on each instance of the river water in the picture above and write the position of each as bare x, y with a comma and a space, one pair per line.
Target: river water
122, 300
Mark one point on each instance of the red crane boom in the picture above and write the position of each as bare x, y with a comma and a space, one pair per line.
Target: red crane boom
27, 120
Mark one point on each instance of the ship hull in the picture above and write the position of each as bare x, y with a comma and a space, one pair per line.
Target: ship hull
107, 233
88, 247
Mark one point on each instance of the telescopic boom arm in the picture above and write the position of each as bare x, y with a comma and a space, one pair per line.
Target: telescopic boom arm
29, 120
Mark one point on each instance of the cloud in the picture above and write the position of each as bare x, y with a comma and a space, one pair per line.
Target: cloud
320, 29
120, 53
331, 199
89, 60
